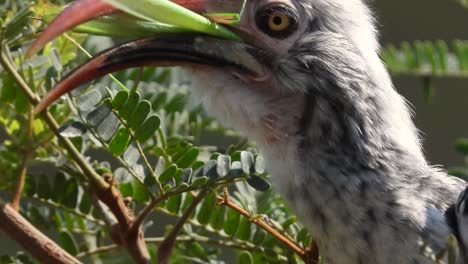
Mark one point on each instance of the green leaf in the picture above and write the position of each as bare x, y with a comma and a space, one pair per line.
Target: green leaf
67, 242
210, 169
176, 104
259, 236
232, 222
200, 181
85, 204
108, 127
71, 194
126, 189
18, 23
218, 218
247, 162
173, 204
43, 187
89, 100
73, 130
119, 100
59, 191
130, 105
120, 142
291, 220
139, 115
170, 13
140, 193
462, 146
148, 128
245, 258
97, 116
206, 208
244, 229
37, 218
168, 174
223, 165
21, 103
188, 158
258, 183
8, 89
259, 165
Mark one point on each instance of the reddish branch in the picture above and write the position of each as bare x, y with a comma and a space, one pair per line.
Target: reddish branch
31, 239
310, 255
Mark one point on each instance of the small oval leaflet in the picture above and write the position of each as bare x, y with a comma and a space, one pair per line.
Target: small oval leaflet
73, 130
129, 106
259, 165
247, 162
186, 176
139, 115
223, 165
206, 209
97, 116
148, 128
236, 169
119, 100
108, 127
245, 257
68, 242
89, 100
188, 158
209, 169
168, 174
119, 143
200, 181
258, 183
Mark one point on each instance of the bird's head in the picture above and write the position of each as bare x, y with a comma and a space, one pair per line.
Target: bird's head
305, 72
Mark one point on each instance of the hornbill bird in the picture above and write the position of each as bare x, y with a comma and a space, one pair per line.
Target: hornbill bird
307, 85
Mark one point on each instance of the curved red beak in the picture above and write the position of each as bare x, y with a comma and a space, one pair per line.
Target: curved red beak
162, 51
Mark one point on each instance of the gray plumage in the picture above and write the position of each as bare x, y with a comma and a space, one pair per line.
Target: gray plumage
338, 139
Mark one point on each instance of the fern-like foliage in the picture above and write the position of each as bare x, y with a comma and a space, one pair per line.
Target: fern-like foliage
428, 59
146, 135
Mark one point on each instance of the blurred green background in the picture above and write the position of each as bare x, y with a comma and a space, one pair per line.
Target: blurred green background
441, 121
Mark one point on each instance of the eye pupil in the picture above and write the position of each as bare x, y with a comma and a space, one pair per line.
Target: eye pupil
277, 20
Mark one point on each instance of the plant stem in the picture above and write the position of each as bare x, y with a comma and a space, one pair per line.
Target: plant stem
23, 169
31, 239
260, 223
186, 239
166, 247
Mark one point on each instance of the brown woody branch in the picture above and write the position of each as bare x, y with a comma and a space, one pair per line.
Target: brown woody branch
31, 239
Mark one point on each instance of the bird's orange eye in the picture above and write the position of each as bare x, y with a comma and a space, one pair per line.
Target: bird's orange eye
277, 20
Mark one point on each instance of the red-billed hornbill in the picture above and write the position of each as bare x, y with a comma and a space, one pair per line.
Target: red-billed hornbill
307, 85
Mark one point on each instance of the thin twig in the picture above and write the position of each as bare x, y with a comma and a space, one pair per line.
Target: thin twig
23, 169
145, 212
260, 223
165, 249
192, 238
